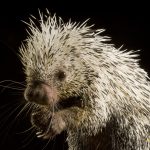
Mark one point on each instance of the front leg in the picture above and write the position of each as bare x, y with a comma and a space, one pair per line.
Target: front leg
70, 118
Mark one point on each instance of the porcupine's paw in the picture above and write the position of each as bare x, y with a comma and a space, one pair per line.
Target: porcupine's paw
56, 126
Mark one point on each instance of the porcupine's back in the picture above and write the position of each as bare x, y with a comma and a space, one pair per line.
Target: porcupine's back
123, 90
116, 88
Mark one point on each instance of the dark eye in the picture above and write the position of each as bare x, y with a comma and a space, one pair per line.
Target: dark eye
60, 75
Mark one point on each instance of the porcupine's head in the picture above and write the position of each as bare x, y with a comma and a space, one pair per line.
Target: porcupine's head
55, 58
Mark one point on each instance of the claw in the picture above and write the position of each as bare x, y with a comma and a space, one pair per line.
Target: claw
40, 136
38, 133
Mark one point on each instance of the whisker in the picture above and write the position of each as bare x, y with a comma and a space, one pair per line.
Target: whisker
16, 93
51, 119
11, 85
49, 127
46, 144
28, 140
30, 108
9, 127
54, 142
31, 128
23, 109
6, 105
21, 83
13, 88
9, 124
14, 110
4, 115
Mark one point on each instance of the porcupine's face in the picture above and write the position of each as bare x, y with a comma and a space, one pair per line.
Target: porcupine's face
55, 82
55, 75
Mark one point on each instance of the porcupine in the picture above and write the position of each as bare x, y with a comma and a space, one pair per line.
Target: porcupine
79, 82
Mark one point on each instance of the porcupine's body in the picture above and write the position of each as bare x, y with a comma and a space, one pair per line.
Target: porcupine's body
96, 92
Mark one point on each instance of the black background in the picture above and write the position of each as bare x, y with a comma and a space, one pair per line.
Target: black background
127, 24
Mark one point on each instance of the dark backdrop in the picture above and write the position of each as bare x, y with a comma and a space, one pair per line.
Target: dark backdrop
127, 24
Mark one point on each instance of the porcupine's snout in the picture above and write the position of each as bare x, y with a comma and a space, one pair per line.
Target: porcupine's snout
40, 93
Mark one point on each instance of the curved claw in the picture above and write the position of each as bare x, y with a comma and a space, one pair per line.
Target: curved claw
40, 134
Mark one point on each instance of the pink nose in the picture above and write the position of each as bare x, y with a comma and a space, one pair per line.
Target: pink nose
40, 93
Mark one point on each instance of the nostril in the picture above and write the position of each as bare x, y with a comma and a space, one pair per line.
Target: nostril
40, 93
30, 94
36, 92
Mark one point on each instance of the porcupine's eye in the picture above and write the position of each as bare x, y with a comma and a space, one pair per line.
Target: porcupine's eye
60, 75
